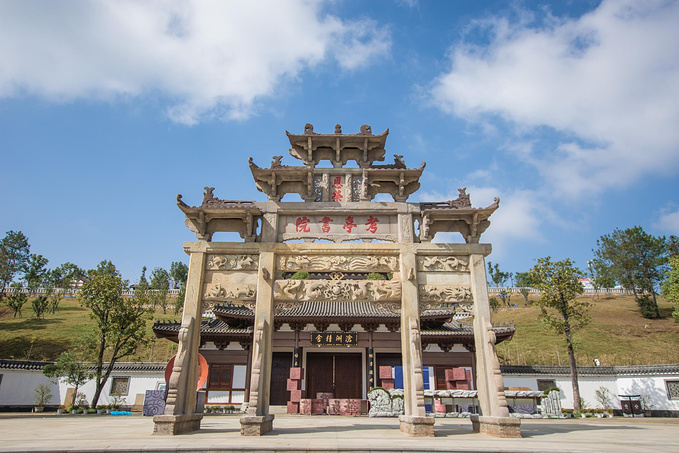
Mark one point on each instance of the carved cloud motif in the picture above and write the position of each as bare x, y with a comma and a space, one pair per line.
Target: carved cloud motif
361, 290
337, 263
445, 294
233, 262
442, 263
219, 292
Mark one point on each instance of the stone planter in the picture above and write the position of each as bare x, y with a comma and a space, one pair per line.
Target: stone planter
59, 411
38, 408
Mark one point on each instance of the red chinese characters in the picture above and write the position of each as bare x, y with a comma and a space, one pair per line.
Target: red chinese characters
371, 224
325, 224
349, 224
337, 186
302, 224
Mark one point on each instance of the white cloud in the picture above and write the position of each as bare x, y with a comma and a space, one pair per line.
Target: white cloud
607, 82
668, 221
212, 58
517, 219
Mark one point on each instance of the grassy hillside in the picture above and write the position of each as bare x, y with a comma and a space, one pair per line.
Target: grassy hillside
618, 335
28, 338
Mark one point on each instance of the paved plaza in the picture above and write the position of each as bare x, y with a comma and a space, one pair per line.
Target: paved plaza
292, 433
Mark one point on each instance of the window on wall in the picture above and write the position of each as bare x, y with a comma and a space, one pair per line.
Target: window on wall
220, 377
544, 384
672, 390
120, 385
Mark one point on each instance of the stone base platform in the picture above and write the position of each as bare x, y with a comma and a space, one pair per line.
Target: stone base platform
176, 424
417, 426
497, 426
256, 425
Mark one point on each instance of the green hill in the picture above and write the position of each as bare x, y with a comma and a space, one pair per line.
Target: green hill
617, 335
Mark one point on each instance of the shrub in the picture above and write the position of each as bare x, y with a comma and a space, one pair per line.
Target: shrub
301, 275
494, 303
375, 276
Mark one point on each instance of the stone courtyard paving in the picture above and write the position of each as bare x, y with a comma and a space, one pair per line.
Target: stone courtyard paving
32, 432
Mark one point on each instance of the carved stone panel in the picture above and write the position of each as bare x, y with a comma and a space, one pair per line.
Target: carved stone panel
219, 292
444, 294
361, 263
442, 263
359, 290
232, 262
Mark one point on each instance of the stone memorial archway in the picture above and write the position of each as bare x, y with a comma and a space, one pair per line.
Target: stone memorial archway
362, 237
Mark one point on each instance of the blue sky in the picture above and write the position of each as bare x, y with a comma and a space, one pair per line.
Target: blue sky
566, 110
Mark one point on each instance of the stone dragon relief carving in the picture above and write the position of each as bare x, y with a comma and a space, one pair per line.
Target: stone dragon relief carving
233, 262
444, 294
337, 263
442, 263
360, 290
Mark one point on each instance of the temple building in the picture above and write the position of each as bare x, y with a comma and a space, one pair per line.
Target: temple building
324, 294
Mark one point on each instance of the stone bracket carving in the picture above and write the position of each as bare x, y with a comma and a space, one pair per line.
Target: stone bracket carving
232, 262
359, 290
444, 294
365, 263
442, 263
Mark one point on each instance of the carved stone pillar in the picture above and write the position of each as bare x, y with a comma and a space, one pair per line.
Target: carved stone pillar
494, 419
258, 421
180, 409
414, 422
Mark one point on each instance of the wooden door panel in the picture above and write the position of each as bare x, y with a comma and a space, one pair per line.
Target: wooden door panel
280, 371
319, 374
348, 375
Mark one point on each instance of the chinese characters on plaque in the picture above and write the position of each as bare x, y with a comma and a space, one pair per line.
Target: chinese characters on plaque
334, 338
339, 225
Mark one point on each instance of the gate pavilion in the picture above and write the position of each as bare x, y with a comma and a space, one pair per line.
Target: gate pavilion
354, 262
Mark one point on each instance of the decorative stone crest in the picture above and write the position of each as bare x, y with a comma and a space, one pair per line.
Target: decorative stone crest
442, 263
364, 263
233, 262
360, 290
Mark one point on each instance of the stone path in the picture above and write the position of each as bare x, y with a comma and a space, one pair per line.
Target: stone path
81, 433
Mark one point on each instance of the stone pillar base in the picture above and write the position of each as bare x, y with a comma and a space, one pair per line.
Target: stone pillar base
256, 425
176, 424
497, 426
417, 426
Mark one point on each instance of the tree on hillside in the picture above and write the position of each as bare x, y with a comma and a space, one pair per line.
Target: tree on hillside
105, 267
35, 272
120, 323
14, 252
66, 275
160, 284
601, 275
559, 286
499, 279
638, 261
143, 283
179, 300
69, 370
16, 299
524, 283
670, 287
179, 273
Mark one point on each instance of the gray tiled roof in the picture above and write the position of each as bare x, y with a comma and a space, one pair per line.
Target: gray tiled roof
329, 309
212, 326
10, 364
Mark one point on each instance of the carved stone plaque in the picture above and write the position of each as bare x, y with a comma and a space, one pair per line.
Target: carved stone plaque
359, 290
359, 263
442, 263
232, 262
445, 294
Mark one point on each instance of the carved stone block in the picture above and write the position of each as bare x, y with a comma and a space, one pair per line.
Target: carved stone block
359, 290
442, 263
293, 408
358, 263
444, 294
296, 373
385, 372
417, 426
317, 406
254, 425
292, 384
232, 262
296, 396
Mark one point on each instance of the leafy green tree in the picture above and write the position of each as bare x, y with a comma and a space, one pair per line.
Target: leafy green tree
499, 279
179, 301
143, 283
670, 287
14, 252
638, 261
16, 299
66, 275
524, 283
120, 323
601, 275
69, 370
179, 273
40, 305
35, 272
105, 267
560, 309
160, 284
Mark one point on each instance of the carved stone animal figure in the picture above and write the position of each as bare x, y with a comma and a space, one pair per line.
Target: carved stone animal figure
218, 261
215, 290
